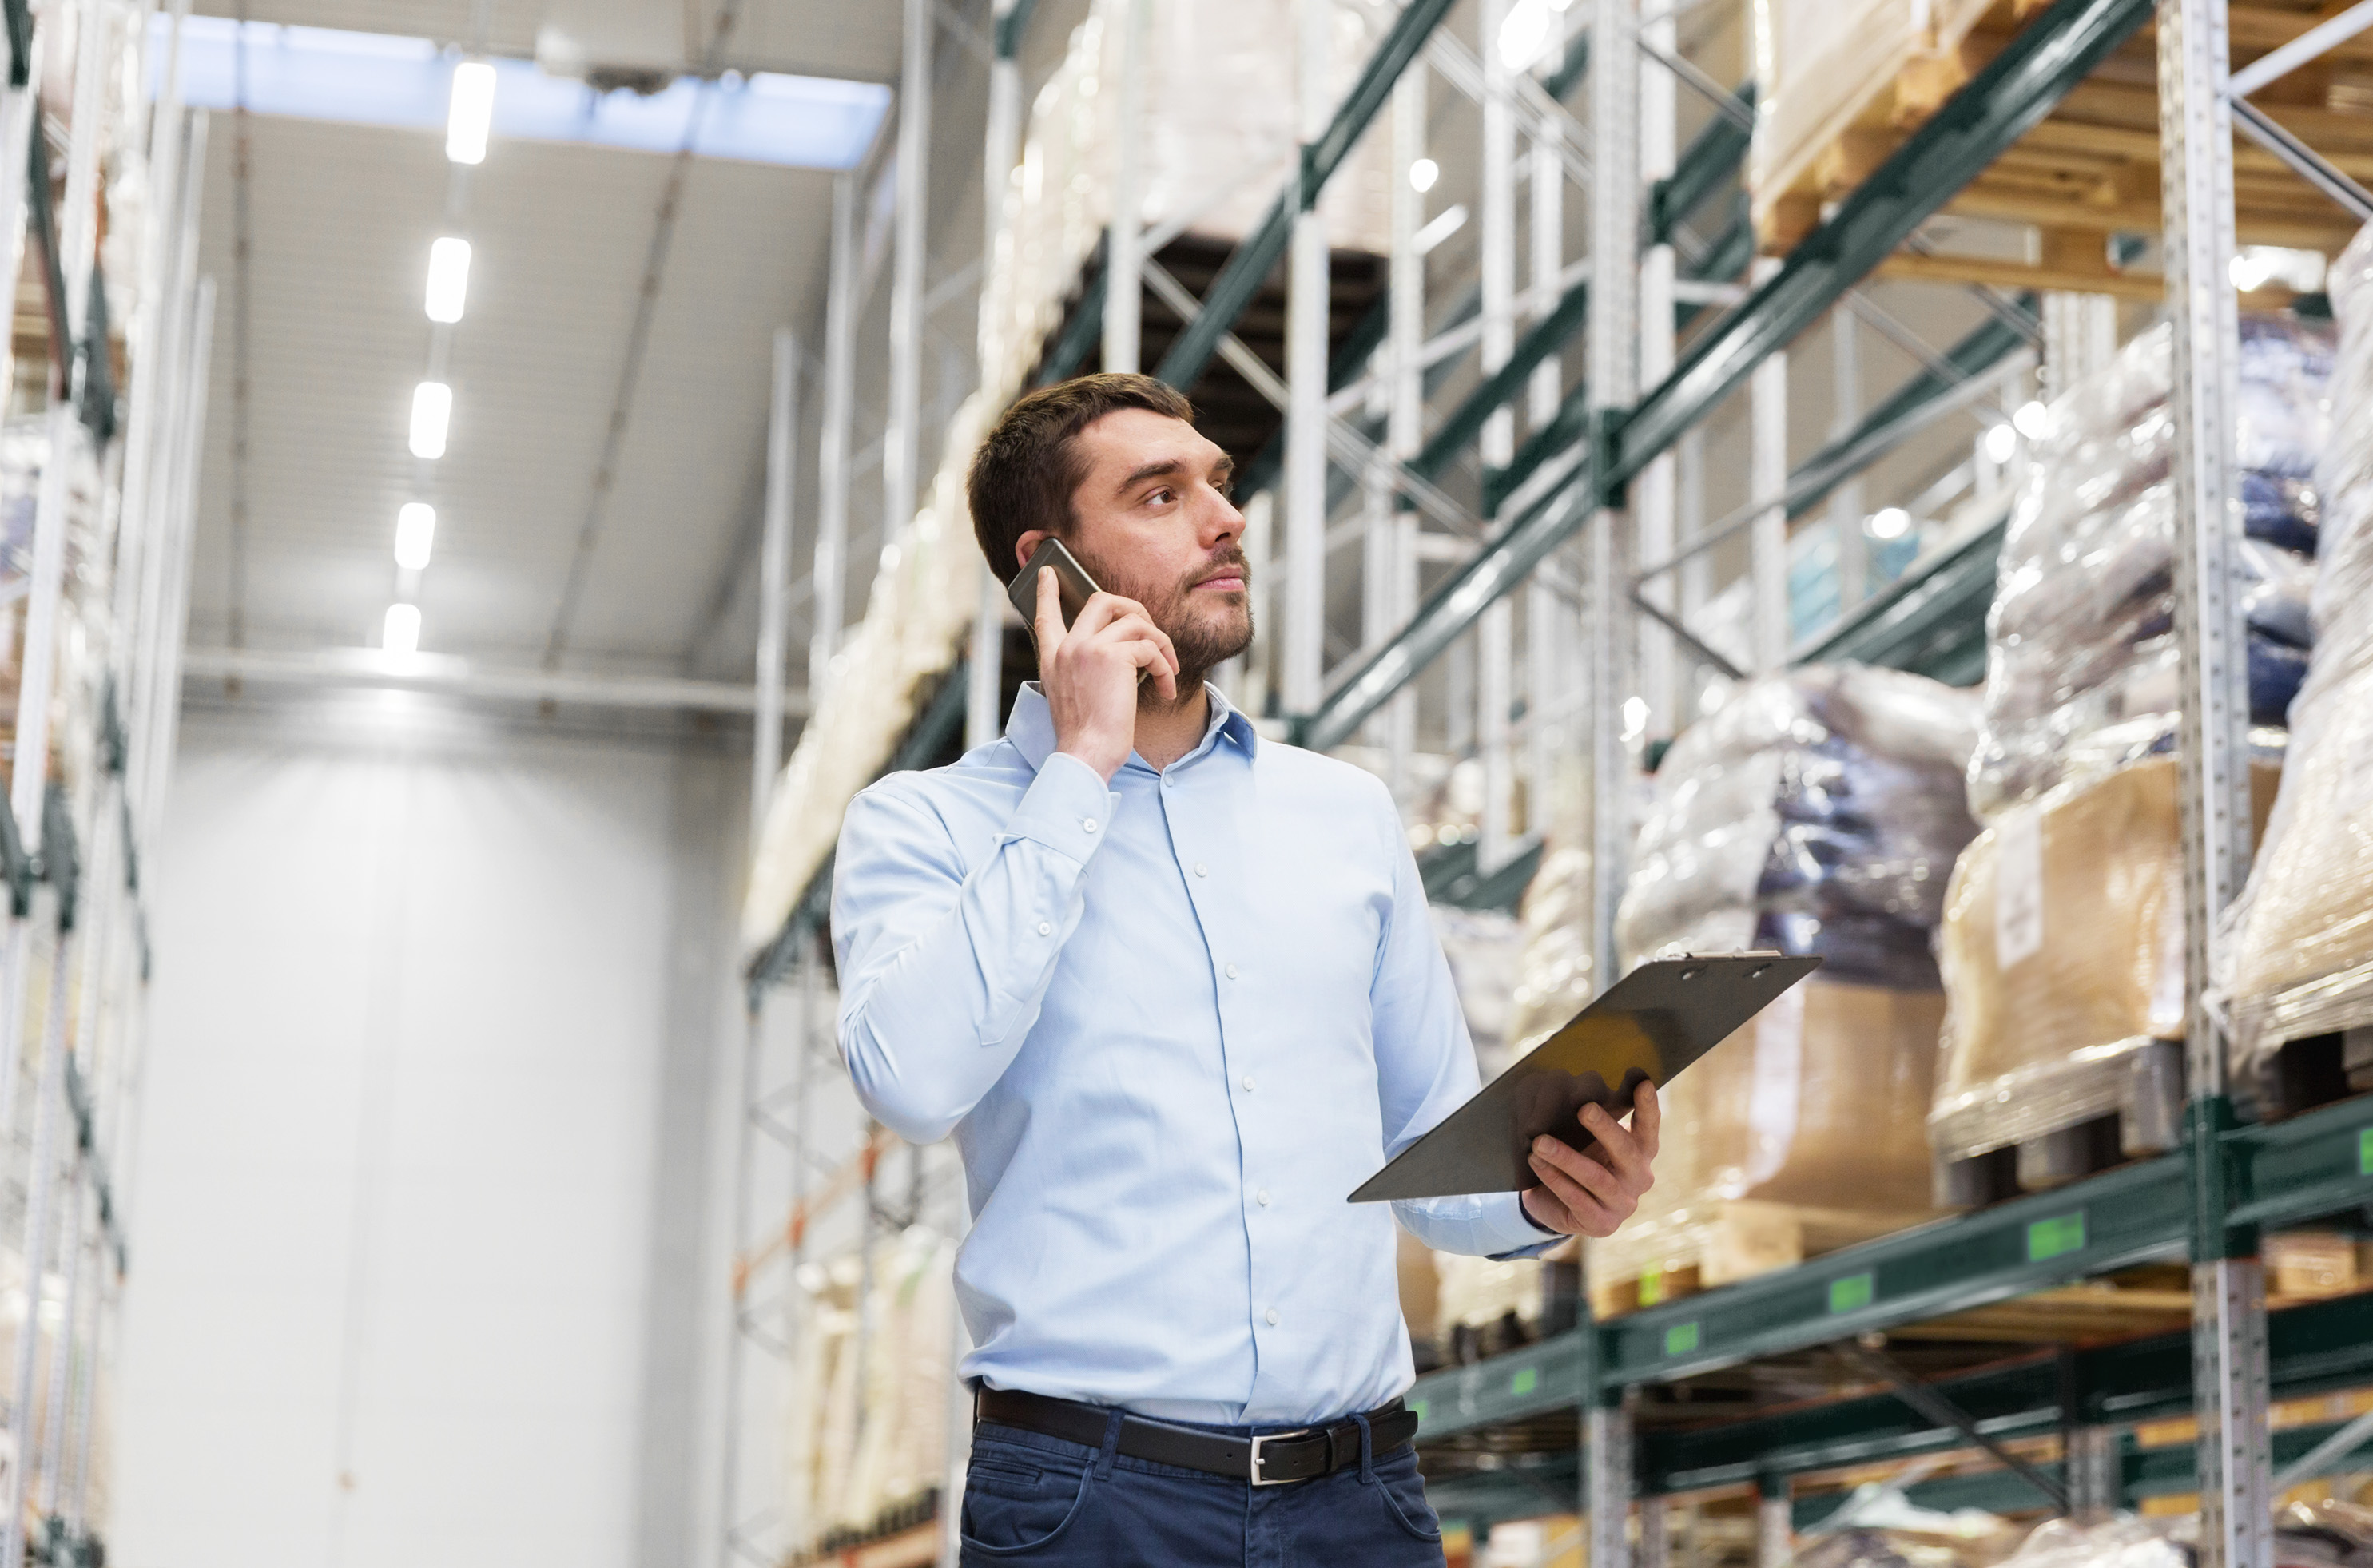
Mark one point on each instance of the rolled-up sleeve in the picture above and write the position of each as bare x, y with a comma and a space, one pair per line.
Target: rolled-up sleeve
1425, 1070
943, 965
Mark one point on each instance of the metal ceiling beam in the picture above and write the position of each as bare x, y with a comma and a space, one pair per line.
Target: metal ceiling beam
361, 669
1258, 254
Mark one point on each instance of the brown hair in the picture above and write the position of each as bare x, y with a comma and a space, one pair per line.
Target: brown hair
1025, 473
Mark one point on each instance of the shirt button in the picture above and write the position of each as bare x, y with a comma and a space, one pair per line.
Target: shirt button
1261, 1197
1248, 1084
1089, 825
1201, 869
1167, 781
1046, 928
1231, 971
1272, 1316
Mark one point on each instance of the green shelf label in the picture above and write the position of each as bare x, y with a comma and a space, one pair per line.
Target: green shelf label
2365, 1152
1680, 1338
1652, 1285
1852, 1294
1526, 1381
1419, 1406
2055, 1237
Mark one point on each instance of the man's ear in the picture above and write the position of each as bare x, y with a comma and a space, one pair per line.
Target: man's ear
1027, 546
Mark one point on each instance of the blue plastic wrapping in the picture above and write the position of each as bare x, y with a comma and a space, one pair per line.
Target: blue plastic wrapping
2080, 657
1817, 813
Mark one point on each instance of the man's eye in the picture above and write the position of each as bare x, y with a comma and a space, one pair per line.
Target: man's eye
1160, 495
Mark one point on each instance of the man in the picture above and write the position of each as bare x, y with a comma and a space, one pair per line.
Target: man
1176, 991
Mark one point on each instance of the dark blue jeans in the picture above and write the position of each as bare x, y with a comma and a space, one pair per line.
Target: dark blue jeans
1033, 1499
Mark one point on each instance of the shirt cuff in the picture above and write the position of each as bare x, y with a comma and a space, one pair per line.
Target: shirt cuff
1068, 809
1505, 1219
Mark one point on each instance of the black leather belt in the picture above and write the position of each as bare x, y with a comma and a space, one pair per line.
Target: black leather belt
1269, 1460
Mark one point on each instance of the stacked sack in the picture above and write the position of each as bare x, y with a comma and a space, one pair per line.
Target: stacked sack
1815, 813
2061, 946
2300, 947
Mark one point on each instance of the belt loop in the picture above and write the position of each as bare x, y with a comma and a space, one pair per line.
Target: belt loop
1113, 1419
1367, 1451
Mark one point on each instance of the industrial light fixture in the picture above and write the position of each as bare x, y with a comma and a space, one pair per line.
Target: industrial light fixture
1524, 34
1889, 522
2001, 441
415, 534
400, 634
1422, 174
470, 112
2032, 420
448, 278
432, 408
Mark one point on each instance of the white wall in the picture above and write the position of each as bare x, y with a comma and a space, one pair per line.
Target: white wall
417, 1268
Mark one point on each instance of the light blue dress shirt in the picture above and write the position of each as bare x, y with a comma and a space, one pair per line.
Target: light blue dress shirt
1172, 1023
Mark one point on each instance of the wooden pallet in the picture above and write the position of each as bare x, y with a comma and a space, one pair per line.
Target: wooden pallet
2147, 1121
2316, 1070
1745, 1237
2090, 171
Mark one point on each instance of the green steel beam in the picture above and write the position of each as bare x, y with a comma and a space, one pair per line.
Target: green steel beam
1259, 252
1081, 335
2305, 1167
1571, 70
1932, 622
2005, 100
1710, 160
1465, 421
1010, 27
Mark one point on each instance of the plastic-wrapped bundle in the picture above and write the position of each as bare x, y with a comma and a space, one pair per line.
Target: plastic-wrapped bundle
1817, 813
1553, 977
2301, 947
2062, 953
2081, 660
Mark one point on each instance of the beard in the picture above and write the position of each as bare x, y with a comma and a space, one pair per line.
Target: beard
1205, 630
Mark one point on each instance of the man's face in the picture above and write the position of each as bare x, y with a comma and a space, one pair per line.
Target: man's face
1154, 524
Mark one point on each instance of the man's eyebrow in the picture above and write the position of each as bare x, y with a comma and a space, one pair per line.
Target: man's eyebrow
1224, 470
1169, 466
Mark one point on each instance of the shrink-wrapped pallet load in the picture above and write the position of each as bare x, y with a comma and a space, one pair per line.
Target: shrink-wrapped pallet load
2063, 946
2299, 953
1817, 813
2063, 955
2081, 655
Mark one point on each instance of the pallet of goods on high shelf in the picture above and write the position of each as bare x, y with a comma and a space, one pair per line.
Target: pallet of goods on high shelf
1815, 813
1840, 86
2061, 945
866, 1425
2298, 958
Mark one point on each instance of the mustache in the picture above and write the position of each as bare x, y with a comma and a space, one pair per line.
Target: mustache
1233, 564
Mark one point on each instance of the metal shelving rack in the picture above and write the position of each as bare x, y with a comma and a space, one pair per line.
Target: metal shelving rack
1583, 510
85, 795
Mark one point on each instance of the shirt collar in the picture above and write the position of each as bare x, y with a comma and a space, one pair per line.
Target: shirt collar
1032, 725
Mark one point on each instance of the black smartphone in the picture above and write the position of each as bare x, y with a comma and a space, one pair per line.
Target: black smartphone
1071, 580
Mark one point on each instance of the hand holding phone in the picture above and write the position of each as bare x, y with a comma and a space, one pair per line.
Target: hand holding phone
1090, 667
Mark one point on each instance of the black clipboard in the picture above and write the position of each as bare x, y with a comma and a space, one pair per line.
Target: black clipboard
1650, 1025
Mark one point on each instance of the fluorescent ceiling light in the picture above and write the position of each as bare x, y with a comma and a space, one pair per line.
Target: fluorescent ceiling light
415, 534
1443, 226
432, 409
1524, 34
2032, 419
359, 78
448, 278
1889, 522
2000, 440
1422, 174
400, 632
470, 112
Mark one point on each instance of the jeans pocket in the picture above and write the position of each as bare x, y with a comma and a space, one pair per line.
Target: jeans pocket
1012, 1505
1404, 1491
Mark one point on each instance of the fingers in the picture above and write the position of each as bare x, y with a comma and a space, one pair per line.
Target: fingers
1048, 621
1562, 1168
1618, 1149
1647, 1118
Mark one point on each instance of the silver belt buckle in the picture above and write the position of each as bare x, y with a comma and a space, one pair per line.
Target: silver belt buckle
1260, 1479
